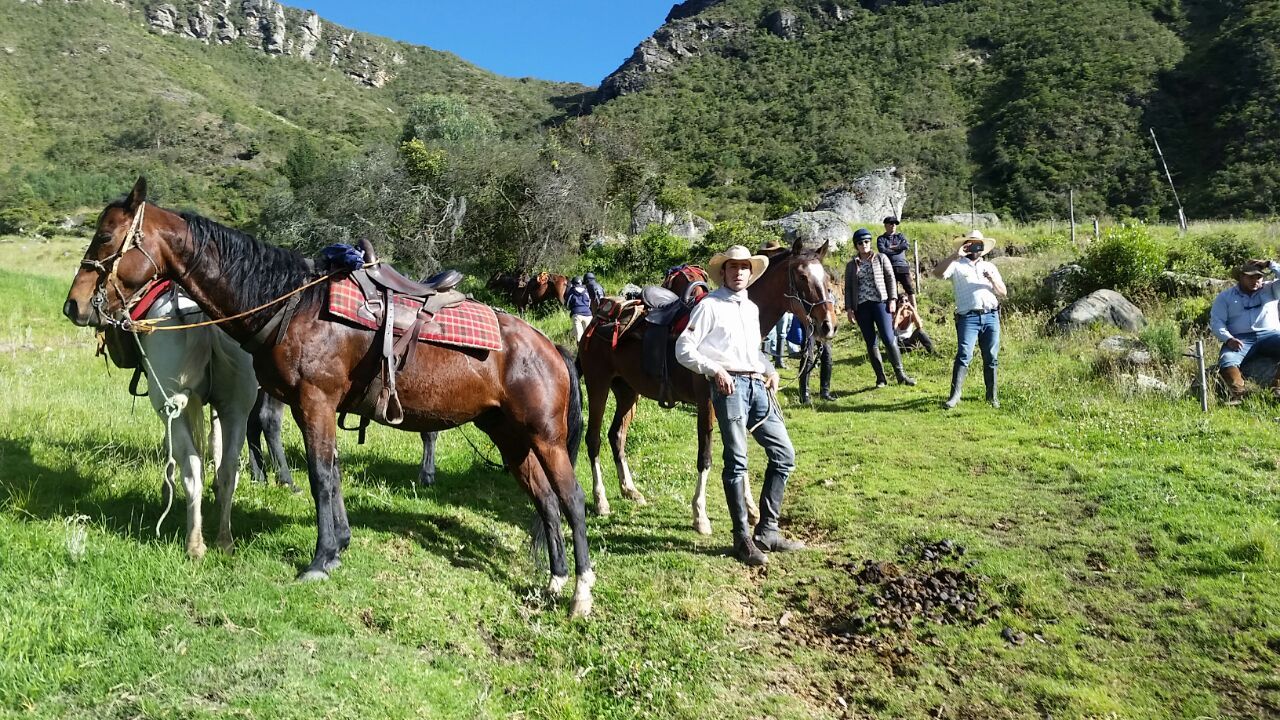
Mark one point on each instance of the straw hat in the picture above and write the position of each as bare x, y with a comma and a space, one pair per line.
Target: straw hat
988, 244
736, 252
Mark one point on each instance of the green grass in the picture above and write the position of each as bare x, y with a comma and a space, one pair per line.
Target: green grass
1136, 536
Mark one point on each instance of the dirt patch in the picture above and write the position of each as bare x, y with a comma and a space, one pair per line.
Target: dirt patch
894, 605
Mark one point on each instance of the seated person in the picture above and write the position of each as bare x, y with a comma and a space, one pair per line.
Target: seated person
1245, 319
909, 328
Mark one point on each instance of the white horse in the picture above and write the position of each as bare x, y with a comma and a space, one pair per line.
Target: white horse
187, 370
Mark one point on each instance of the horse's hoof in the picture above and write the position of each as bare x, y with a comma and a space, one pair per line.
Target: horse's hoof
702, 526
634, 496
426, 480
556, 586
603, 510
227, 546
753, 515
313, 576
332, 565
196, 552
581, 606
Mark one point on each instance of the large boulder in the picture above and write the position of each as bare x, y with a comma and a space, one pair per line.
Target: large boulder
678, 40
784, 23
969, 220
865, 201
1105, 306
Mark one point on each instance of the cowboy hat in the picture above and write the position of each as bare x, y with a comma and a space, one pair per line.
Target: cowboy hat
736, 252
771, 244
988, 244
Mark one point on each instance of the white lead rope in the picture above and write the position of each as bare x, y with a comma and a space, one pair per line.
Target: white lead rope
172, 408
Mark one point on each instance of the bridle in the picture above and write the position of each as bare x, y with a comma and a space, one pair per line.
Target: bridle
108, 267
810, 345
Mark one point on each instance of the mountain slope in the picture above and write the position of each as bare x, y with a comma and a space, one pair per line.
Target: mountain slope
752, 101
92, 93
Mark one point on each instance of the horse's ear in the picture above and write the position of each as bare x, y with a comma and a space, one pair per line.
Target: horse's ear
137, 195
798, 246
822, 251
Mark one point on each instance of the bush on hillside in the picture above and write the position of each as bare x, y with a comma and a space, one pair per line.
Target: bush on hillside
1192, 315
1196, 259
1126, 259
1164, 341
646, 257
747, 233
1229, 249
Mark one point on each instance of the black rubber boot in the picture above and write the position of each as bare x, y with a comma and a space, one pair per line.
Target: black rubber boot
958, 372
825, 377
773, 541
989, 377
895, 359
804, 389
873, 354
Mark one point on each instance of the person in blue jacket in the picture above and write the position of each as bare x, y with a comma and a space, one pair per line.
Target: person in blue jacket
578, 301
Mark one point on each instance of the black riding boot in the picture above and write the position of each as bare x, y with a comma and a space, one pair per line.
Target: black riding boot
925, 341
989, 376
825, 376
804, 388
895, 359
873, 354
958, 372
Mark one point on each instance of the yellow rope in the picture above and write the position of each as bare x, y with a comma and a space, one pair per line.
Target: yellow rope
149, 325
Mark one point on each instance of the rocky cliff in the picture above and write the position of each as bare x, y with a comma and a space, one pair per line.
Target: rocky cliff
271, 28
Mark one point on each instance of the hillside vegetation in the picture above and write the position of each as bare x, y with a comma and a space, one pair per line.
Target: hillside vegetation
90, 98
1021, 99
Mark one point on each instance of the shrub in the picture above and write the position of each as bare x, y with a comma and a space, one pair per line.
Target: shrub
1196, 259
1164, 341
647, 256
747, 233
1192, 315
1125, 259
1229, 249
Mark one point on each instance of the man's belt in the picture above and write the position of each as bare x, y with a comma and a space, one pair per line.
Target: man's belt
748, 374
978, 312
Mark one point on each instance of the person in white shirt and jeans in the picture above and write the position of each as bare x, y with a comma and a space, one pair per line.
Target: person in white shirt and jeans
722, 343
1246, 319
978, 289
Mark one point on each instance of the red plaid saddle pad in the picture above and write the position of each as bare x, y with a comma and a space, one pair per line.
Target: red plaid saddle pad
469, 324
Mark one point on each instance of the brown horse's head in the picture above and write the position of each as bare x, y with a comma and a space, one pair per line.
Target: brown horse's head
127, 254
809, 290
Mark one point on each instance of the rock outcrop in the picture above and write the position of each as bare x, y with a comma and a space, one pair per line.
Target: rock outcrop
275, 29
1100, 306
673, 43
784, 23
865, 201
681, 224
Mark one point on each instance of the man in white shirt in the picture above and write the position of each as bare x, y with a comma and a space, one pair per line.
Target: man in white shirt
978, 289
722, 343
1246, 320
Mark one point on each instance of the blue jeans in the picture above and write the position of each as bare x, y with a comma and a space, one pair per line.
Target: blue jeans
749, 405
1266, 344
982, 329
873, 320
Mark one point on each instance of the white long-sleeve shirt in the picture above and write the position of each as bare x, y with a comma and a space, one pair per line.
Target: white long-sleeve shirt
1234, 313
723, 334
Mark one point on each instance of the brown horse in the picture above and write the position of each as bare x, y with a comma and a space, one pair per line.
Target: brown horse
795, 281
540, 289
524, 396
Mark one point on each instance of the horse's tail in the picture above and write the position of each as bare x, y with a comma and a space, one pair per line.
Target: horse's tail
575, 404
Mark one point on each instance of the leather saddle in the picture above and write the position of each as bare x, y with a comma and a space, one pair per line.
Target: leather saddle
381, 284
666, 315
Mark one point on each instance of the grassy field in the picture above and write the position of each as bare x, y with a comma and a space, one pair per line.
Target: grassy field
1125, 549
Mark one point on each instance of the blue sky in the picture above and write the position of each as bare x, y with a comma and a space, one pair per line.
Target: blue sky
572, 40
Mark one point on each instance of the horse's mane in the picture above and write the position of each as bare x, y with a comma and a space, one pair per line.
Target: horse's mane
260, 272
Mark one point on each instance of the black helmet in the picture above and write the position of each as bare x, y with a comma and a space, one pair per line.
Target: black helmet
860, 234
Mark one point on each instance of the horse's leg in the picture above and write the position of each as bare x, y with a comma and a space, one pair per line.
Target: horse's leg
558, 471
625, 411
253, 434
316, 416
232, 426
597, 397
271, 418
183, 433
753, 506
512, 442
427, 473
702, 523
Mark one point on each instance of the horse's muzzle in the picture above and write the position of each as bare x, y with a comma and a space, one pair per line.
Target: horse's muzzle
77, 314
825, 331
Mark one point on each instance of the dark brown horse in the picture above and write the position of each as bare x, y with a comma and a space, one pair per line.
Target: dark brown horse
795, 281
524, 396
